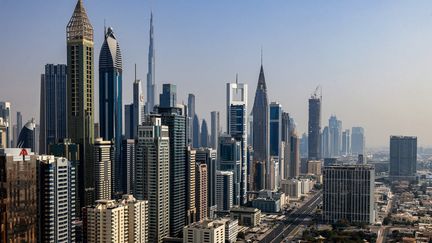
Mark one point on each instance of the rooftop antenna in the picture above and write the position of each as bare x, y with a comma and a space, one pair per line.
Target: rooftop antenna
236, 78
135, 73
261, 55
104, 26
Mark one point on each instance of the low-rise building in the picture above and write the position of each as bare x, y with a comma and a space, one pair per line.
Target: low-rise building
246, 216
206, 231
113, 221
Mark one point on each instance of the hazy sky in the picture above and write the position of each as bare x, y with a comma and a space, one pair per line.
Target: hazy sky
372, 58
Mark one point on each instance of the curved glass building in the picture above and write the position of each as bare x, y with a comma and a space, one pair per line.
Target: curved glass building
26, 136
110, 100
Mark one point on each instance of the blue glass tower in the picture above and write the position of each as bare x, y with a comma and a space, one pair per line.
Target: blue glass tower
53, 112
110, 101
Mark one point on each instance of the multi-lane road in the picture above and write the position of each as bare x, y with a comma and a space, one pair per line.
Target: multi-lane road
283, 230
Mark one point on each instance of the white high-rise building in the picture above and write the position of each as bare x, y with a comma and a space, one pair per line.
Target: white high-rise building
120, 221
206, 231
103, 159
152, 175
56, 190
237, 121
137, 106
6, 114
224, 190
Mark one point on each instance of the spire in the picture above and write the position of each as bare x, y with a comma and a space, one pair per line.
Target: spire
261, 79
79, 27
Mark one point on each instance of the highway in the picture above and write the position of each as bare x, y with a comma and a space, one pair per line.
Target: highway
283, 230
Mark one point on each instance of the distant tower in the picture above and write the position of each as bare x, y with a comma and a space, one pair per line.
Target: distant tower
335, 129
314, 126
151, 86
215, 129
168, 98
346, 142
191, 115
237, 127
204, 134
53, 106
260, 114
357, 141
196, 132
403, 158
110, 103
137, 107
80, 95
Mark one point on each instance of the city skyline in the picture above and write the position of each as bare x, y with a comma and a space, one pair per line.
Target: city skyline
385, 62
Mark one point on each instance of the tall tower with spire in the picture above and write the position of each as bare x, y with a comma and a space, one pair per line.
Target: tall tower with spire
110, 104
80, 95
151, 86
260, 113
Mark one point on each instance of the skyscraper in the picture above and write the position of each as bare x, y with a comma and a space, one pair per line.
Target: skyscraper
19, 195
403, 158
229, 159
190, 186
191, 115
237, 127
17, 128
314, 127
260, 114
129, 121
137, 107
123, 221
26, 138
357, 141
104, 154
56, 190
80, 96
53, 107
175, 119
168, 98
152, 175
335, 132
111, 104
3, 142
70, 151
196, 132
204, 134
208, 157
215, 129
325, 143
128, 159
294, 155
201, 191
224, 190
275, 126
6, 114
346, 142
348, 193
19, 119
151, 86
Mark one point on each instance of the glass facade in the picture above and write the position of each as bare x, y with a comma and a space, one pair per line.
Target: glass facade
18, 196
